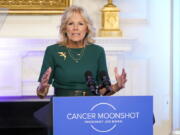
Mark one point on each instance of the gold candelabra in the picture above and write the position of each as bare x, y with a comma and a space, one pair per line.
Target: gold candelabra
110, 21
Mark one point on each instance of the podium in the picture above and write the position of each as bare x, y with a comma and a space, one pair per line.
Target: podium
99, 115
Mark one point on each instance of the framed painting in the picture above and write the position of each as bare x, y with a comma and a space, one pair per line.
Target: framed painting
34, 6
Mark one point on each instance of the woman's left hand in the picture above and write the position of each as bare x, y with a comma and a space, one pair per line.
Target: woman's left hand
121, 79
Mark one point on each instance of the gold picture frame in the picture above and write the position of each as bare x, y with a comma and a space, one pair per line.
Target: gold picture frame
34, 6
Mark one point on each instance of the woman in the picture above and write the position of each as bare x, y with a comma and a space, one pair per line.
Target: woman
66, 62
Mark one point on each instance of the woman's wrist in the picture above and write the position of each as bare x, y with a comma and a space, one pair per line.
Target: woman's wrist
103, 92
42, 91
115, 87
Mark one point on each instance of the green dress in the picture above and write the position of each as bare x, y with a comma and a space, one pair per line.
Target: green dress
69, 66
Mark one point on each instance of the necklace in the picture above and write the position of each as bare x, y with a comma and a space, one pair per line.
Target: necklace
76, 57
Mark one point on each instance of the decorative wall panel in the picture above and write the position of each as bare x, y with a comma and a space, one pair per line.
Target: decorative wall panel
35, 6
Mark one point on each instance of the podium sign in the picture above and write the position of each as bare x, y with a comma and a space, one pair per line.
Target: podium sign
106, 115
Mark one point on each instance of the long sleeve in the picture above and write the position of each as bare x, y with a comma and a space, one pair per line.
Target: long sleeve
102, 66
47, 62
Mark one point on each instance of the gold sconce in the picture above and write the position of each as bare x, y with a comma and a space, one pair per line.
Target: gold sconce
110, 21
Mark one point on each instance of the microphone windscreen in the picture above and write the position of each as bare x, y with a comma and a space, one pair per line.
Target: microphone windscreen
88, 73
103, 74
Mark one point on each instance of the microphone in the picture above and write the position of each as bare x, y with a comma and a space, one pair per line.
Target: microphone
91, 82
105, 81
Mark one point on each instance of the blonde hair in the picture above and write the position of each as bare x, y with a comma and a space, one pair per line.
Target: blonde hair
64, 20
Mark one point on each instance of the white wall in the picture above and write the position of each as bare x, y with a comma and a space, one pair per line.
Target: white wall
45, 26
154, 48
176, 65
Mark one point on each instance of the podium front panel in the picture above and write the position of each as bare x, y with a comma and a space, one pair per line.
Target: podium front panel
103, 115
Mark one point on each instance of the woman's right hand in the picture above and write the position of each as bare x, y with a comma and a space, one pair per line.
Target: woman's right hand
43, 87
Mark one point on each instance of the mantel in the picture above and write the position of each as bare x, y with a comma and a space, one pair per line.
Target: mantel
116, 44
109, 43
26, 55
